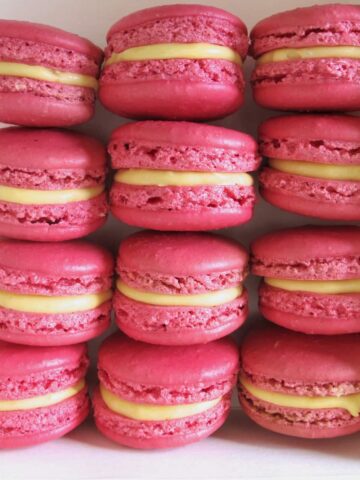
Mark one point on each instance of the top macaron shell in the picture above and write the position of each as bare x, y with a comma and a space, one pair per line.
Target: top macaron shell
180, 264
317, 141
37, 161
175, 88
185, 147
41, 101
47, 272
310, 83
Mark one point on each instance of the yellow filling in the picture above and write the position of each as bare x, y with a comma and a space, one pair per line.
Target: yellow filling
316, 286
284, 54
147, 412
47, 74
316, 170
45, 304
163, 178
166, 51
351, 403
41, 400
210, 299
47, 197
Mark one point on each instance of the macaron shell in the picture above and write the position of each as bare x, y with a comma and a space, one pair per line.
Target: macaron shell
161, 434
178, 325
31, 427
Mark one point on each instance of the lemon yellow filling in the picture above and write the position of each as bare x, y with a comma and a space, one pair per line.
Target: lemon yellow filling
41, 400
210, 299
285, 54
47, 74
167, 51
163, 178
46, 304
351, 403
26, 196
316, 286
316, 170
148, 412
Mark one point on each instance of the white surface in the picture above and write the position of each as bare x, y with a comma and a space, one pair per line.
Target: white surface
240, 449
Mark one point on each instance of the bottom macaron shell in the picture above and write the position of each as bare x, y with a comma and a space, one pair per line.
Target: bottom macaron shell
178, 325
313, 96
182, 100
198, 220
53, 329
310, 312
159, 434
320, 423
23, 428
328, 199
36, 111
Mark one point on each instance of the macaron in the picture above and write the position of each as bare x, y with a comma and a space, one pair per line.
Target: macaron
313, 165
54, 293
43, 393
52, 184
180, 288
311, 278
48, 77
175, 62
153, 396
301, 385
182, 175
308, 59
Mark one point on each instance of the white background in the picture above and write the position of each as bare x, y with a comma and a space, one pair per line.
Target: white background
240, 449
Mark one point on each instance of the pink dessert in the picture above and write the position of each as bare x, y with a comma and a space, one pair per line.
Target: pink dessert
308, 59
182, 175
52, 184
312, 278
48, 77
301, 385
43, 394
175, 62
180, 288
314, 165
153, 396
54, 293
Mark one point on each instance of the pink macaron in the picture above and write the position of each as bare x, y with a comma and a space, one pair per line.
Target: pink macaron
43, 393
48, 77
311, 278
308, 59
180, 288
54, 293
52, 184
153, 396
314, 165
175, 62
182, 175
301, 385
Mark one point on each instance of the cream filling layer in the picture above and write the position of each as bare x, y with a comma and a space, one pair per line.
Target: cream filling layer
351, 403
52, 305
47, 74
168, 51
26, 196
163, 178
210, 299
149, 412
316, 286
286, 54
41, 400
316, 170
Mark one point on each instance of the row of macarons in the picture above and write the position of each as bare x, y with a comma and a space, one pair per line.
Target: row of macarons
176, 175
181, 62
156, 396
179, 288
